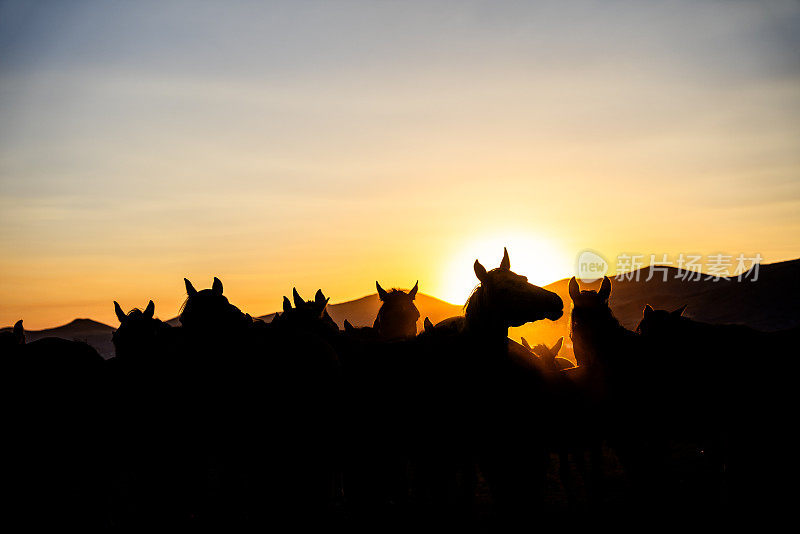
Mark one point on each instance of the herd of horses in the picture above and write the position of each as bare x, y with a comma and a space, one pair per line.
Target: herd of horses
229, 420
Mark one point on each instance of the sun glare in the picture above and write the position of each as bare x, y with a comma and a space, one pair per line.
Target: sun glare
538, 258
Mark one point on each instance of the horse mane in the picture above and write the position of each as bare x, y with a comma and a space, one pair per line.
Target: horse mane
474, 303
183, 306
229, 308
135, 313
394, 290
182, 309
138, 314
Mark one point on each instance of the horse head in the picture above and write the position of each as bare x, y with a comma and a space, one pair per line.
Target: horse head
311, 314
12, 338
364, 333
549, 355
660, 323
505, 299
208, 310
428, 325
398, 315
137, 330
589, 299
594, 329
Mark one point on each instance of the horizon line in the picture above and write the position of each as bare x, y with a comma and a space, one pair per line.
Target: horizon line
424, 294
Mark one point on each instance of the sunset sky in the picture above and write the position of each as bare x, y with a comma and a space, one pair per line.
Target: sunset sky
330, 144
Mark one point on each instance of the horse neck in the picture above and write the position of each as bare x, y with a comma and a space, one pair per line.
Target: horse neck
480, 322
601, 323
596, 336
386, 330
379, 325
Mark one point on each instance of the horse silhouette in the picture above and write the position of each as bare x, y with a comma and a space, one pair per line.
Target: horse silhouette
12, 339
309, 315
397, 316
363, 333
572, 428
724, 404
208, 311
140, 334
376, 364
157, 465
549, 355
225, 360
56, 388
641, 411
481, 397
606, 352
230, 421
299, 388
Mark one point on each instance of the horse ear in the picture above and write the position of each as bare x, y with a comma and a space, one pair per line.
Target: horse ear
413, 292
526, 344
150, 310
216, 287
381, 291
605, 288
506, 263
574, 290
120, 314
480, 271
298, 301
319, 298
286, 304
347, 326
679, 311
557, 346
427, 325
647, 310
190, 290
323, 305
18, 330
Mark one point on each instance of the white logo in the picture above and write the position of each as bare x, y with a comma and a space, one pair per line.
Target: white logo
590, 266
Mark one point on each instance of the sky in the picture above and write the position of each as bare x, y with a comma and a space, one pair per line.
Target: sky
331, 144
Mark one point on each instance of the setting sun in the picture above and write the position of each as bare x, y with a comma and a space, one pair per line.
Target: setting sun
539, 258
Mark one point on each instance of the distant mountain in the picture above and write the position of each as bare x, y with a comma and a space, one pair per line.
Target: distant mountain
95, 334
770, 303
